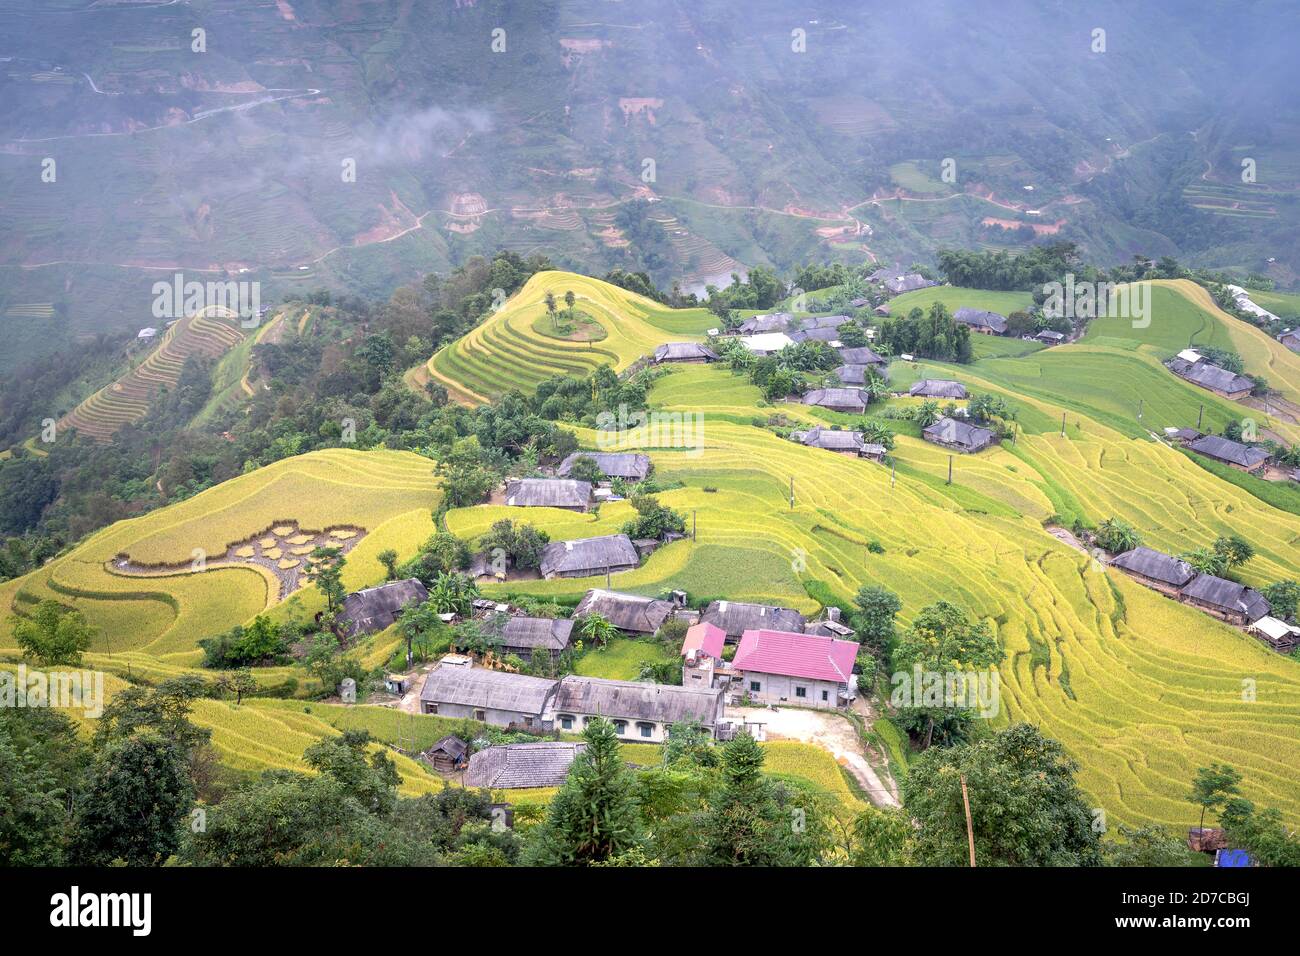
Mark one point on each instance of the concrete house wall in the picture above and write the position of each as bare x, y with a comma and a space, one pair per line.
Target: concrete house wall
778, 688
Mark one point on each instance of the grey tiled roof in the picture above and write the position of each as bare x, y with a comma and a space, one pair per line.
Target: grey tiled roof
634, 700
831, 439
614, 464
1155, 565
684, 351
374, 609
1225, 449
981, 319
589, 555
1228, 595
1204, 374
861, 356
736, 617
514, 766
532, 632
548, 493
938, 388
493, 690
627, 612
853, 398
953, 432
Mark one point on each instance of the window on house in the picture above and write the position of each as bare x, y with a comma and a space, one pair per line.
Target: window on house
755, 686
528, 721
825, 696
647, 730
620, 727
430, 708
801, 692
480, 715
566, 723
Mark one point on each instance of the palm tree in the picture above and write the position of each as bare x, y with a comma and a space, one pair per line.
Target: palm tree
597, 629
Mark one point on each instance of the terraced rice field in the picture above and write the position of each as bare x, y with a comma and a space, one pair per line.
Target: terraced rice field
1141, 689
507, 352
153, 623
127, 399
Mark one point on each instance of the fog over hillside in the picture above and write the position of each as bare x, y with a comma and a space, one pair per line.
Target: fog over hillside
687, 139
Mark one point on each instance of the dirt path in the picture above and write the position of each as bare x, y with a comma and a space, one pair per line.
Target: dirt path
834, 733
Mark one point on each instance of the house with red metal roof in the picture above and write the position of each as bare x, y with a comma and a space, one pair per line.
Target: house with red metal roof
702, 663
784, 667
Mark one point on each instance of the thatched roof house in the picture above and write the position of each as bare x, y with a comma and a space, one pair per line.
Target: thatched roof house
980, 320
736, 617
958, 435
587, 556
548, 493
937, 388
514, 766
373, 609
1241, 457
631, 613
630, 466
684, 352
851, 400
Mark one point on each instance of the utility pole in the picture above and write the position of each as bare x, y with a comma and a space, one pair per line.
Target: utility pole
1062, 424
1200, 416
950, 469
693, 525
891, 473
607, 576
1141, 401
970, 833
792, 492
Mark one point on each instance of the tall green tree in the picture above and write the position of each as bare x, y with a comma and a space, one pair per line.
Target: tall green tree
1026, 809
745, 826
1212, 787
325, 570
595, 816
54, 635
877, 608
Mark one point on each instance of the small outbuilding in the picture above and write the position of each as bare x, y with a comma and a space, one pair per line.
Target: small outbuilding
447, 755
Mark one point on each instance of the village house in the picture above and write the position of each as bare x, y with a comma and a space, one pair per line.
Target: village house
1277, 634
447, 755
522, 636
146, 334
586, 557
830, 336
1227, 600
959, 436
702, 663
373, 609
759, 324
779, 667
1241, 457
1182, 435
766, 343
516, 766
628, 466
820, 322
905, 282
863, 356
829, 625
979, 320
548, 493
937, 388
736, 617
1195, 369
858, 375
1049, 337
639, 711
633, 613
690, 352
1155, 569
1291, 339
491, 697
850, 400
843, 442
